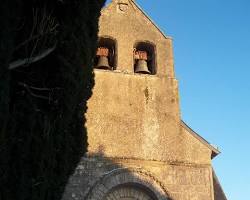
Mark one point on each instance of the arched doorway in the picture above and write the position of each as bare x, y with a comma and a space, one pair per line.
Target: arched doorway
127, 184
130, 192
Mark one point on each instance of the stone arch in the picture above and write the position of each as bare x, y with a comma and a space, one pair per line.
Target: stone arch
111, 44
127, 184
130, 191
150, 48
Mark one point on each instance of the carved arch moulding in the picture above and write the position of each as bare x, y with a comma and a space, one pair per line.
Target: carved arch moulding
127, 184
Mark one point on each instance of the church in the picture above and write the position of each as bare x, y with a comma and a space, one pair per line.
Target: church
139, 147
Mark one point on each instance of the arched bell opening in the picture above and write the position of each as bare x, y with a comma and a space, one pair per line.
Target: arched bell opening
144, 58
106, 54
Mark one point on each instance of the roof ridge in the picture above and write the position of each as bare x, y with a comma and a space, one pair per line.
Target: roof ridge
164, 35
215, 151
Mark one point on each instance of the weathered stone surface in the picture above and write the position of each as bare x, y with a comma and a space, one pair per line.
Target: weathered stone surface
96, 177
134, 115
138, 146
121, 115
137, 113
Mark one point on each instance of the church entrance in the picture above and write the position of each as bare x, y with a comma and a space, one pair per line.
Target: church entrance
129, 193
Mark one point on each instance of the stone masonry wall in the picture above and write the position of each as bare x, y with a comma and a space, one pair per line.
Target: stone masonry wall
95, 177
193, 150
134, 115
134, 129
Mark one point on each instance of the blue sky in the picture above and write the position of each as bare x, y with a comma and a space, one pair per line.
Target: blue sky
212, 64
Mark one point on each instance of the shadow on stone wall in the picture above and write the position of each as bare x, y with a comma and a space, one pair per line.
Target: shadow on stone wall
100, 178
42, 132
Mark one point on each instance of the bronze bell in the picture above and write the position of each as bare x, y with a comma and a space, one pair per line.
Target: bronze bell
103, 63
142, 67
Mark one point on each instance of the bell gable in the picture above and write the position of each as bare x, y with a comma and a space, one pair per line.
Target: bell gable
126, 23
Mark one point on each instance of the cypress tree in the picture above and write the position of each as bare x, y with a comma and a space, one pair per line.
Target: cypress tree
46, 53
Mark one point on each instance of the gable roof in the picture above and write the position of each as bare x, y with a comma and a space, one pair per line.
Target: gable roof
214, 150
142, 11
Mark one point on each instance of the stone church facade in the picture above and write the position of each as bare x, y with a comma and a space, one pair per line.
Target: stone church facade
139, 148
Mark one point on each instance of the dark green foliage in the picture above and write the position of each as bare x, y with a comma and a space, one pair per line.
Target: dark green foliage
42, 105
